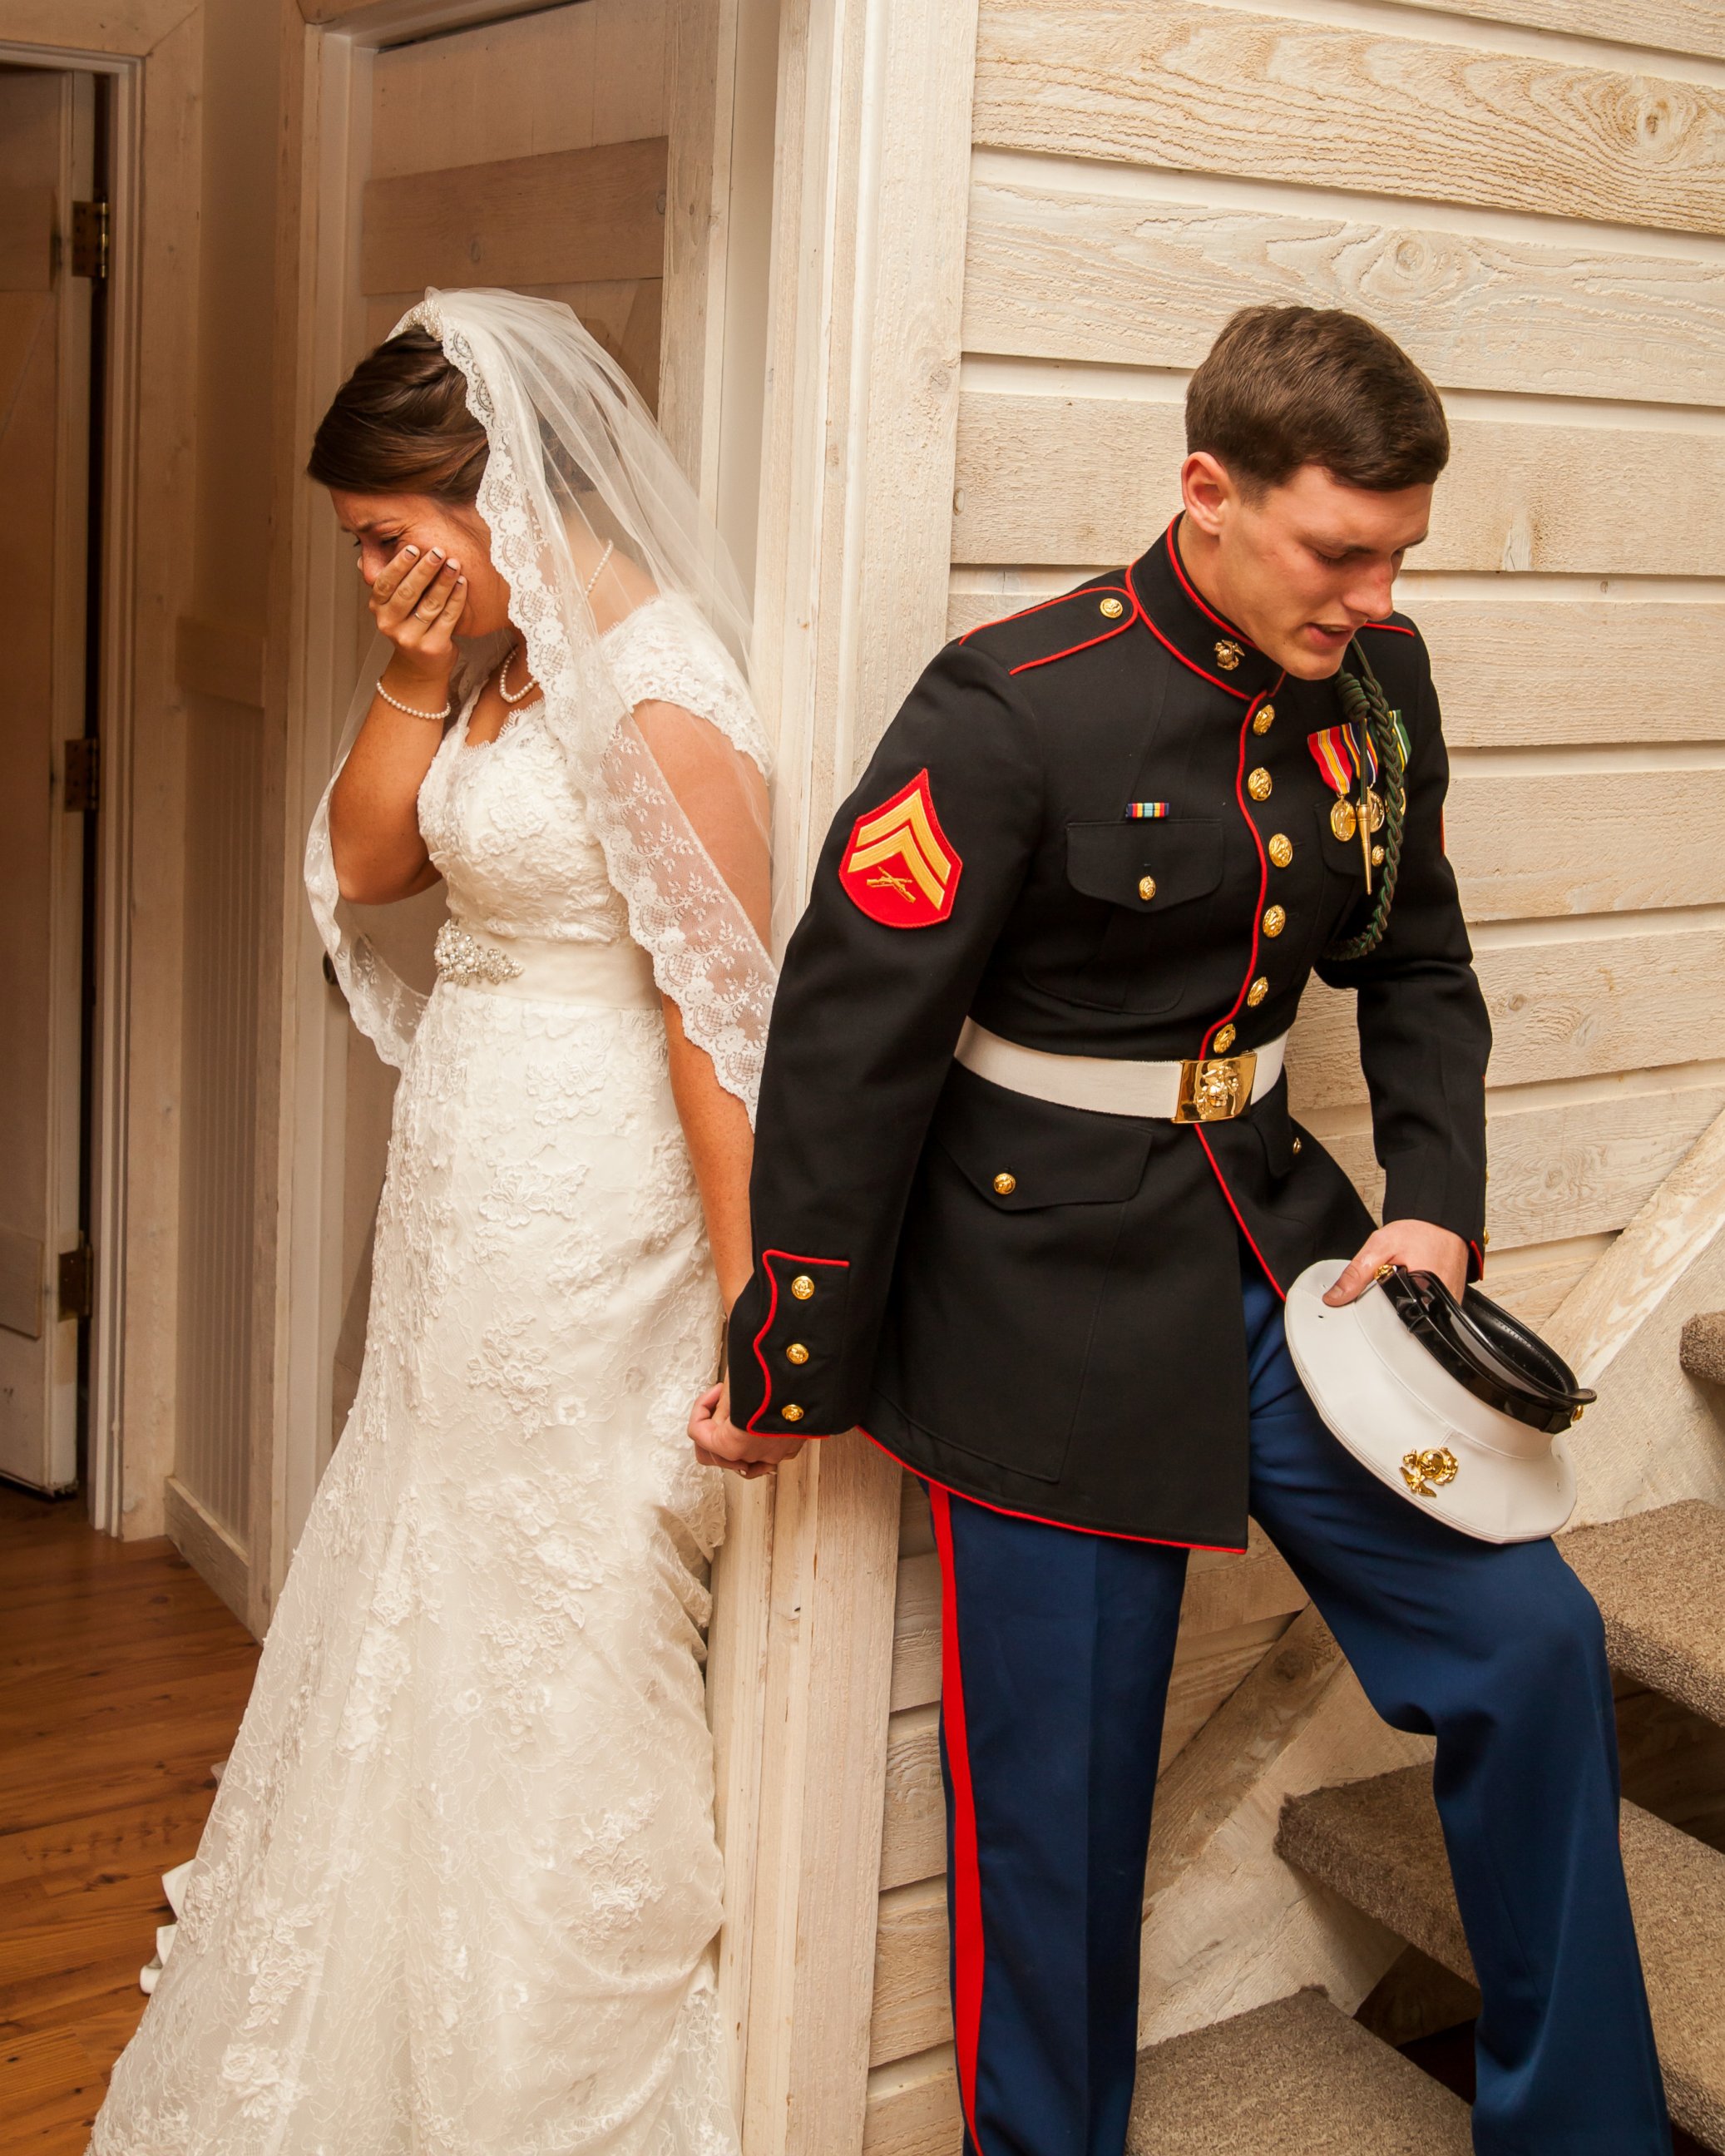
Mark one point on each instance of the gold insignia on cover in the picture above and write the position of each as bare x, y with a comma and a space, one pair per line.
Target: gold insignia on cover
1258, 784
1257, 991
1228, 654
1113, 608
1264, 718
1343, 819
1280, 850
1223, 1040
1425, 1473
802, 1287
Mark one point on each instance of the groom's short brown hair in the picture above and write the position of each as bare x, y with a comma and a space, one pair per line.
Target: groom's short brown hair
1283, 387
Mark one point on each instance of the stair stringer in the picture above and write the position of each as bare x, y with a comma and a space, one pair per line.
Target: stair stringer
1228, 1926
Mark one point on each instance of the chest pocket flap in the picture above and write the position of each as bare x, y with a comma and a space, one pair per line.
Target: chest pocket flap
1149, 866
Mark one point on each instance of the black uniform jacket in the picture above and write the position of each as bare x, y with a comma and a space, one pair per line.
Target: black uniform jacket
1038, 1307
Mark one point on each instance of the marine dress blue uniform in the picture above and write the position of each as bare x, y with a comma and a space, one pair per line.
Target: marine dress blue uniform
1109, 830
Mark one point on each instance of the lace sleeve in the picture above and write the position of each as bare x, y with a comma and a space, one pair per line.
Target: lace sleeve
664, 653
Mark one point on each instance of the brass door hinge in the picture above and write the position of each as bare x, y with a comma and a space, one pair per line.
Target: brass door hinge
77, 1281
90, 239
84, 776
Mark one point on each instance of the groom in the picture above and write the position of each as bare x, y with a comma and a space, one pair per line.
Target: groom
1027, 1198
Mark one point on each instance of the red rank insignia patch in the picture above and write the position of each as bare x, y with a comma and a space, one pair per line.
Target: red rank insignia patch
900, 867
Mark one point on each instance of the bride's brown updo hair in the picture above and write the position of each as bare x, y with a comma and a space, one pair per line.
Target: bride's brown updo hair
400, 425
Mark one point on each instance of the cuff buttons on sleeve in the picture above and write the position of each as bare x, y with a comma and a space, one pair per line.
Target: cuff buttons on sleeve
790, 1412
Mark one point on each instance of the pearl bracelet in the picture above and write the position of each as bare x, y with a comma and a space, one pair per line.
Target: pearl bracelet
411, 711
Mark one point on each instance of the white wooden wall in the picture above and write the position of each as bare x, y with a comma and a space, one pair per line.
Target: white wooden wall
1529, 202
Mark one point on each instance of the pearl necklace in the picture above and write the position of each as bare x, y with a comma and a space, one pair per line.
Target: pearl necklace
521, 694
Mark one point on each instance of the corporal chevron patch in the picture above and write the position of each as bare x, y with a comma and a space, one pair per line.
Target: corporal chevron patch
900, 867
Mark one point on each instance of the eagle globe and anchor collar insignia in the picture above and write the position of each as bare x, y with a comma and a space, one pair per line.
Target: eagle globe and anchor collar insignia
898, 866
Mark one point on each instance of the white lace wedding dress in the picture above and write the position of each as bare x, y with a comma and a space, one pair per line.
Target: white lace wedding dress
458, 1892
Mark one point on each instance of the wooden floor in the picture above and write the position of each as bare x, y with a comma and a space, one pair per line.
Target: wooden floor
122, 1680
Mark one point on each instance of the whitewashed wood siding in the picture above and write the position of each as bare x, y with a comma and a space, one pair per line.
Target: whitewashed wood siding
1528, 194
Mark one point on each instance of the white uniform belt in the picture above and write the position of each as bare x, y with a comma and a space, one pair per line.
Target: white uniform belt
610, 976
1200, 1090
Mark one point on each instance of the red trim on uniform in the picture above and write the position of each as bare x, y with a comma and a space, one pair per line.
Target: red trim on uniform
1239, 1218
1089, 641
1190, 589
1479, 1258
1036, 1520
1042, 606
1240, 696
790, 1259
1395, 628
966, 1882
1245, 727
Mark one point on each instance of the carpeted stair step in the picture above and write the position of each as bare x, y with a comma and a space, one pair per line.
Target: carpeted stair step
1378, 1844
1701, 1347
1295, 2079
1659, 1579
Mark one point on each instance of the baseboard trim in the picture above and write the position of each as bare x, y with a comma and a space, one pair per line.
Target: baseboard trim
207, 1547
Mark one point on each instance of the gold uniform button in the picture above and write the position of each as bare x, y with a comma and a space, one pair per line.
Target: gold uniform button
1005, 1184
1223, 1041
1280, 850
802, 1287
1257, 991
1275, 920
1377, 857
1113, 608
1264, 718
790, 1411
796, 1352
1228, 654
1147, 888
1259, 783
1296, 1145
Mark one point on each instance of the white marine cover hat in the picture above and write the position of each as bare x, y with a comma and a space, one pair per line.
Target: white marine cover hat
1459, 1407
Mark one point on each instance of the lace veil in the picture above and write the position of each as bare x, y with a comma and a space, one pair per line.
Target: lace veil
676, 796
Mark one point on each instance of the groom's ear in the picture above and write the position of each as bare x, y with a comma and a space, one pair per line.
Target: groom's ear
1208, 491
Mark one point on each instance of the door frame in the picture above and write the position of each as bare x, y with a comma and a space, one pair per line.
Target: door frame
150, 52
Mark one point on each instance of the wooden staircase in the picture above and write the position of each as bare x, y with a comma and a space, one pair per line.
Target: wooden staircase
1294, 2079
1660, 1580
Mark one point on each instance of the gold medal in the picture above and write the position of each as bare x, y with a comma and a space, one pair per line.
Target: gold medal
1341, 819
1374, 809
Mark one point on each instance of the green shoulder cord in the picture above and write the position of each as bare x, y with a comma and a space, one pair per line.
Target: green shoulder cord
1362, 704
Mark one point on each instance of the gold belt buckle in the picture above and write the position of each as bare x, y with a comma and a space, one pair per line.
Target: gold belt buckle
1215, 1089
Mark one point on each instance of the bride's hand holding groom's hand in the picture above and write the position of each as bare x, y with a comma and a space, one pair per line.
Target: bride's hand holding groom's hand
719, 1443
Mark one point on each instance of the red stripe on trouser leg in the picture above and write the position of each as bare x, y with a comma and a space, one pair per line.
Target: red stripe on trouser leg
967, 1885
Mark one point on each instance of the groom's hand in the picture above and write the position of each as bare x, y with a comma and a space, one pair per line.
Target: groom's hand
719, 1443
1420, 1245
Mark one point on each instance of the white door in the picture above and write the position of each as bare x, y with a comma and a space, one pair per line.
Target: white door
45, 379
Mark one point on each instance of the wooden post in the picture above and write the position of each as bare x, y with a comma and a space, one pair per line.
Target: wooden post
854, 537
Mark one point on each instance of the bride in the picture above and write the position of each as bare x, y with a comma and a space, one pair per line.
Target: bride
458, 1893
